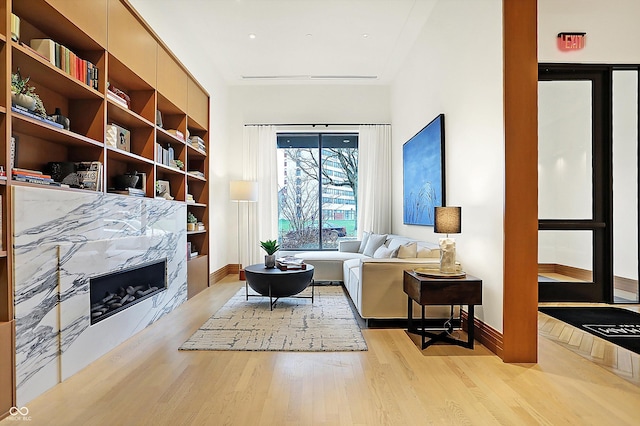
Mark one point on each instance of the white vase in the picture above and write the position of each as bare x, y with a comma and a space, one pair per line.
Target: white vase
23, 100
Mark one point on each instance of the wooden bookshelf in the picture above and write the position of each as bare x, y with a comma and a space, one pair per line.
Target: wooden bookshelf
130, 57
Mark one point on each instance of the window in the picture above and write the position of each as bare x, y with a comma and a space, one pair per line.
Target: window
319, 207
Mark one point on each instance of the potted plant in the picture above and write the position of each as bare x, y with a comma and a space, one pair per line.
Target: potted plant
270, 246
24, 95
191, 222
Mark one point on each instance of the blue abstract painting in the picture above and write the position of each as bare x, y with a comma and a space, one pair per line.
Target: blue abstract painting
423, 173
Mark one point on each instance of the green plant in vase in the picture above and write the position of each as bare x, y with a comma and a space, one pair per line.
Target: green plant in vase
271, 247
191, 221
24, 94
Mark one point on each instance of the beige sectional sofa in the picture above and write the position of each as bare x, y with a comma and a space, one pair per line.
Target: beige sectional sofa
374, 282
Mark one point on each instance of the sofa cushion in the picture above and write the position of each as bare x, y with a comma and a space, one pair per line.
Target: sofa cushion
426, 252
393, 242
363, 243
329, 255
374, 241
384, 253
408, 250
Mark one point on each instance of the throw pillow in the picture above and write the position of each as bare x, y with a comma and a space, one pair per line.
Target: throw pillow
407, 251
424, 252
363, 243
384, 253
374, 241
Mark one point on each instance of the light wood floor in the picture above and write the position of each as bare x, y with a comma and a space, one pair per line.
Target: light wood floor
147, 381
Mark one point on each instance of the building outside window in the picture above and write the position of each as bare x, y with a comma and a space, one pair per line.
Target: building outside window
317, 208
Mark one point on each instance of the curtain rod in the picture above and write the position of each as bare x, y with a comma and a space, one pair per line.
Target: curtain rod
320, 124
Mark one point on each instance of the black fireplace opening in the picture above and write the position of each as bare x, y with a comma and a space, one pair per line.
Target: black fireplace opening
117, 291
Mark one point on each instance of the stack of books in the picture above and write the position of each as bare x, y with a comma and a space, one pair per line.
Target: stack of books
177, 133
290, 262
197, 173
32, 176
133, 192
63, 58
197, 143
22, 110
190, 199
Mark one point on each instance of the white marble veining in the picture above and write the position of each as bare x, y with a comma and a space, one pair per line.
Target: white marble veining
63, 238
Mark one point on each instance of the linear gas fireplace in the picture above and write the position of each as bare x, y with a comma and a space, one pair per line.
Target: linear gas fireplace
114, 292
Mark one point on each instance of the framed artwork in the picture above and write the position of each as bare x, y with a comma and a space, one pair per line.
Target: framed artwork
163, 189
423, 174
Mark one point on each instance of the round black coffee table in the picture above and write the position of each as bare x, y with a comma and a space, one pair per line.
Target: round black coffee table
275, 283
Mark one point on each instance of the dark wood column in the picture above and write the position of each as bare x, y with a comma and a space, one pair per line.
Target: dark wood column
520, 319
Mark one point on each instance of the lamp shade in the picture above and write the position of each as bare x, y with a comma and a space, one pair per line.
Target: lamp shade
448, 220
243, 190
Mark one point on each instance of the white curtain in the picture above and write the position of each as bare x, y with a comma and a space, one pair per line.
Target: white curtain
374, 179
260, 164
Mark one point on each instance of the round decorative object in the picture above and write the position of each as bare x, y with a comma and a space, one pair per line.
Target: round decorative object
278, 283
434, 273
23, 100
191, 226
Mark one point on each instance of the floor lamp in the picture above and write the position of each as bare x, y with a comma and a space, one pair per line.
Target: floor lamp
243, 191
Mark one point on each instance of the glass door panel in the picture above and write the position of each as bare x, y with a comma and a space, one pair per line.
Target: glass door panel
625, 186
573, 201
564, 150
565, 256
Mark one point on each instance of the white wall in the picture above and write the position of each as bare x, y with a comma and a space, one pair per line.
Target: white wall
294, 104
455, 68
611, 26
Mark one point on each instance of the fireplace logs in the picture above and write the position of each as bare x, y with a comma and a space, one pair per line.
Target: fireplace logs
119, 300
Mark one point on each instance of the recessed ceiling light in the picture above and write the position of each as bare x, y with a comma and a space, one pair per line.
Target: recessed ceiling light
365, 35
309, 35
252, 36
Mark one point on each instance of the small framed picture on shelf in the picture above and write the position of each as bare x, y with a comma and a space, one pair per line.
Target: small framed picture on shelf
163, 189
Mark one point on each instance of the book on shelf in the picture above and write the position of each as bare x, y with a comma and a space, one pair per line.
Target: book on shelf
62, 57
90, 175
117, 99
193, 255
290, 262
177, 133
26, 112
134, 192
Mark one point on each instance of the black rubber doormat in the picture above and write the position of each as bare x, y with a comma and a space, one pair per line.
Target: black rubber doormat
618, 326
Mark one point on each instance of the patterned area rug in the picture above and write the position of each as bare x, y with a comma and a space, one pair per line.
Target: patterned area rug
295, 324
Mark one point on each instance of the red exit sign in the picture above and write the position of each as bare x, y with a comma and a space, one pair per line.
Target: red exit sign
571, 41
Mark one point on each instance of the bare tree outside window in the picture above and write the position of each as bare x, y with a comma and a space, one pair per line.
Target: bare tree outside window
317, 190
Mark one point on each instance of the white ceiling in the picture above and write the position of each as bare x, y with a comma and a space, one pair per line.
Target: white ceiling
296, 40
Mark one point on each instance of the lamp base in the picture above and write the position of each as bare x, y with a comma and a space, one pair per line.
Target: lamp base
447, 255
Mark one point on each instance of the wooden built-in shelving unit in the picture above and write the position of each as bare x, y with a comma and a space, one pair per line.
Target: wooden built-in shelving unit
129, 56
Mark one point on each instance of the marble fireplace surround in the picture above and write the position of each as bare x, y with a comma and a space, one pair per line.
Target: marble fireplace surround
63, 238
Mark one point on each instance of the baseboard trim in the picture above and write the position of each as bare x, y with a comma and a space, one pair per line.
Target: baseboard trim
491, 338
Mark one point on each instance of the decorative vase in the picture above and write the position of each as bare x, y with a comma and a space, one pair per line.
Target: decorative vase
270, 261
191, 226
23, 100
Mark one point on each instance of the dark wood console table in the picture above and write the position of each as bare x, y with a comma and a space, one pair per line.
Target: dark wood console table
441, 291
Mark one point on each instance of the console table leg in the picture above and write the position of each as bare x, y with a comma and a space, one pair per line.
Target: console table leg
422, 328
409, 315
470, 328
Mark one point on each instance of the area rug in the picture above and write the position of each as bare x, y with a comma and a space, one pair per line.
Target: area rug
295, 324
619, 326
